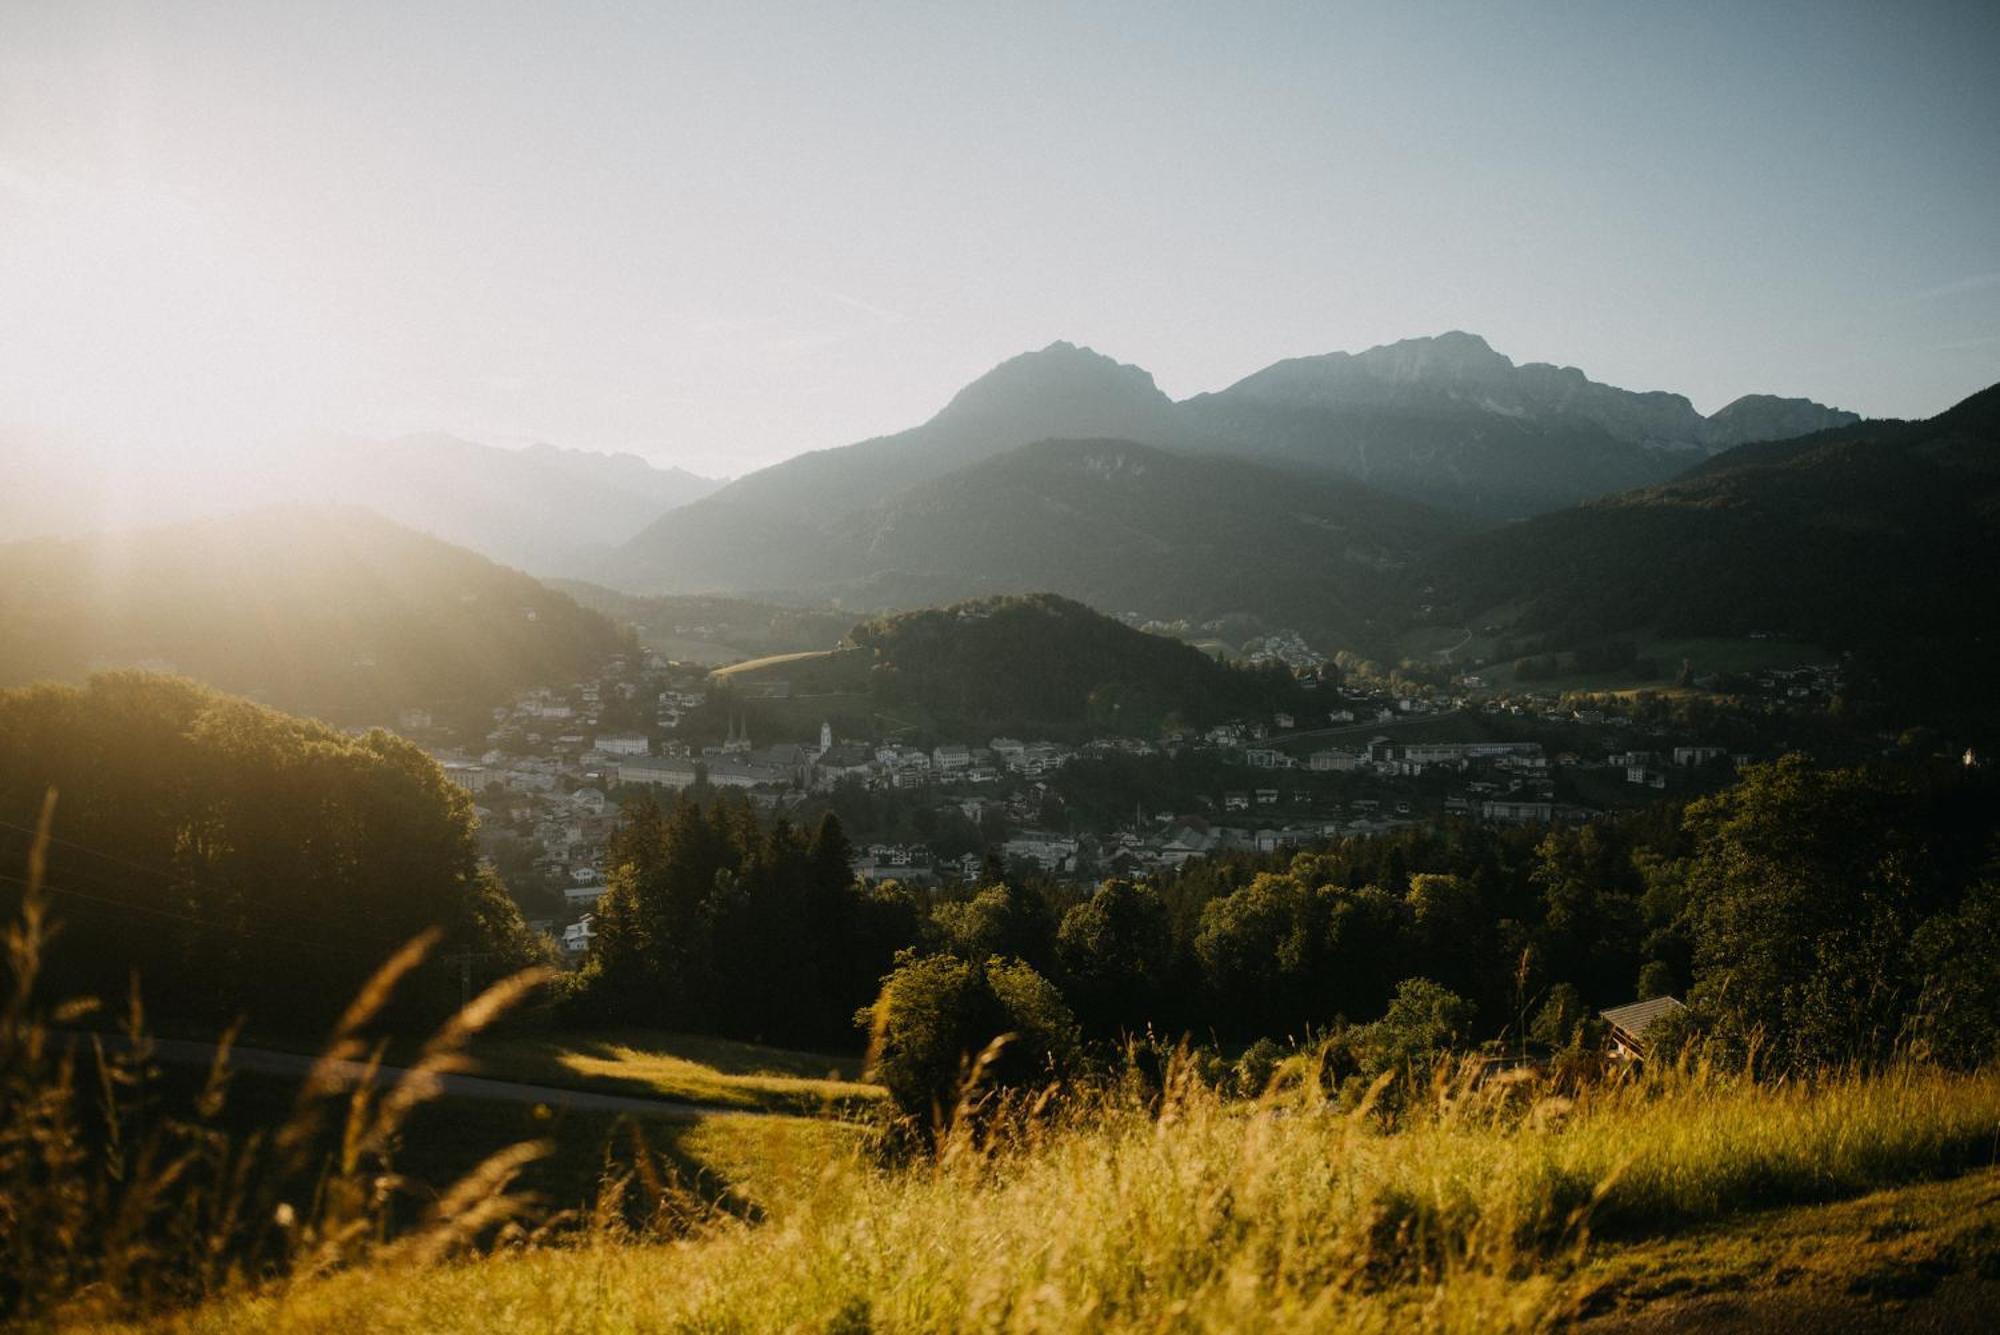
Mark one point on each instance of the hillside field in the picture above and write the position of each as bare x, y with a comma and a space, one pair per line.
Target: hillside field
1494, 1207
1728, 655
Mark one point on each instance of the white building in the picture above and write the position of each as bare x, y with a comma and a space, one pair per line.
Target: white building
1051, 852
664, 771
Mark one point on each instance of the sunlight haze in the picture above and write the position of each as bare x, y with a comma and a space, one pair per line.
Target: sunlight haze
719, 235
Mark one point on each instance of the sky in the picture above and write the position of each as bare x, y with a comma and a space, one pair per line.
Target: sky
717, 235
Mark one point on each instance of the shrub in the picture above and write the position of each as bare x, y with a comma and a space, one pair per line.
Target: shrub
944, 1029
1424, 1021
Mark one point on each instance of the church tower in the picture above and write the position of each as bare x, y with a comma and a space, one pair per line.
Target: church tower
825, 738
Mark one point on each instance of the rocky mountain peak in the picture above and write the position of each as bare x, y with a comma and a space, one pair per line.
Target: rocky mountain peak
1062, 373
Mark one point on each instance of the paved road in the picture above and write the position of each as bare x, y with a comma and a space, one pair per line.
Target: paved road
185, 1052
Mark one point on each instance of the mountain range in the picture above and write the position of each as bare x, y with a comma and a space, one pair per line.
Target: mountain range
1133, 528
1064, 469
1451, 422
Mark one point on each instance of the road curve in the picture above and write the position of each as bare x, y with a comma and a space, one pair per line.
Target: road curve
186, 1052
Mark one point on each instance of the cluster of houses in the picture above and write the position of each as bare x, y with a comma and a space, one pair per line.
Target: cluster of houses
552, 762
1287, 647
1812, 684
1650, 768
887, 765
544, 775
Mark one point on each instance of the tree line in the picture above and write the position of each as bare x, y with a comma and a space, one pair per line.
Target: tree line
1811, 916
236, 860
243, 861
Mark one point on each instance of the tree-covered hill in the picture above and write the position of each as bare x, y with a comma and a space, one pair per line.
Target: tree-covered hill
334, 613
1044, 666
1881, 537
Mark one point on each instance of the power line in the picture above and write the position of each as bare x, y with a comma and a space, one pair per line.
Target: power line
95, 852
340, 917
125, 906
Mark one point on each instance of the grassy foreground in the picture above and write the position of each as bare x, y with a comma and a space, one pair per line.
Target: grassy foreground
1489, 1208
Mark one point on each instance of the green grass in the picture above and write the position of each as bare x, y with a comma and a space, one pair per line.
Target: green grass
1490, 1209
1467, 725
811, 670
705, 653
641, 1063
751, 667
1734, 656
725, 1156
1925, 1256
687, 1068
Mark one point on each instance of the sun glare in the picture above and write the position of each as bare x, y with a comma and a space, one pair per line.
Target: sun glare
150, 324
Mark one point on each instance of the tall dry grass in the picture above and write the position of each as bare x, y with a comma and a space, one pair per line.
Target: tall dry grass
113, 1204
1182, 1208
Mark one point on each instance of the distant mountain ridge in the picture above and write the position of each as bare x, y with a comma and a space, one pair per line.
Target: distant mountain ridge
1758, 417
1449, 421
543, 509
771, 529
1461, 371
1445, 421
336, 613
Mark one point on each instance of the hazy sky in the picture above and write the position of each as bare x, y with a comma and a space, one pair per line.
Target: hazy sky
718, 235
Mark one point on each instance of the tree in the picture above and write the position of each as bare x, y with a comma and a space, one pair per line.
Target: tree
1280, 956
713, 922
1116, 951
937, 1014
1424, 1020
1957, 1016
1656, 979
1590, 910
1802, 897
1004, 919
1556, 1022
1449, 924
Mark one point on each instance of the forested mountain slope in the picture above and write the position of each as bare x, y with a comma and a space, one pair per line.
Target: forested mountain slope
1883, 537
340, 614
1126, 527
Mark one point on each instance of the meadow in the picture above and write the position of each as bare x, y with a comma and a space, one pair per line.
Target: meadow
1485, 1206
